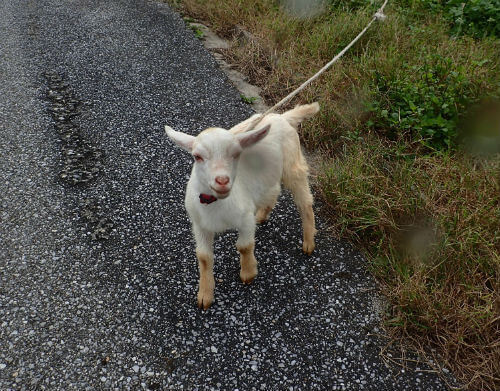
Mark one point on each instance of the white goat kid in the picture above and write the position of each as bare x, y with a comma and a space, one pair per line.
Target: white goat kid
235, 182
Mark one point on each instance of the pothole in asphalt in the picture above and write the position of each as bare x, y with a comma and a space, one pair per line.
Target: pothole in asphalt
101, 227
81, 161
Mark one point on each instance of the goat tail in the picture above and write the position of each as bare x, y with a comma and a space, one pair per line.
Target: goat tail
300, 113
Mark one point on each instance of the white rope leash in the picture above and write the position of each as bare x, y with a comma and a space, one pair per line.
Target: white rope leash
379, 15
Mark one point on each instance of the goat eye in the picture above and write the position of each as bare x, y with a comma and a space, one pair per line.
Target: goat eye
198, 158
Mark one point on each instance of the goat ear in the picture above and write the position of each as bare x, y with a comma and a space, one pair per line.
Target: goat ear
183, 140
248, 139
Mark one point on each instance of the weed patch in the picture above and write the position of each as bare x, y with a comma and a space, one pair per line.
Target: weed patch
478, 18
424, 102
248, 99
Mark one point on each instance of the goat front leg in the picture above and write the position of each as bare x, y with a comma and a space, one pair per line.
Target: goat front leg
246, 245
205, 254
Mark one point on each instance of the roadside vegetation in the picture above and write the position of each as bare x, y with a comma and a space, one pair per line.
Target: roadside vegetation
409, 139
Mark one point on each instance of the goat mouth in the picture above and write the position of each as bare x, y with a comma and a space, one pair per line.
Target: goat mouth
221, 193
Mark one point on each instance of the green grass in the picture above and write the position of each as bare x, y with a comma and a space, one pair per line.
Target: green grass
248, 99
425, 102
477, 18
198, 33
409, 137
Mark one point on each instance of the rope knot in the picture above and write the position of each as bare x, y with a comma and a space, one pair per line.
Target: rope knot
380, 16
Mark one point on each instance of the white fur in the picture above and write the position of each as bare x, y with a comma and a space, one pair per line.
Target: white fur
268, 155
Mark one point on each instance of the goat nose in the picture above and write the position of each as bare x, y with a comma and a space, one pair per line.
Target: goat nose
222, 180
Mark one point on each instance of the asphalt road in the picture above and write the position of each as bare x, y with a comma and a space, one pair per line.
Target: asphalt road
98, 275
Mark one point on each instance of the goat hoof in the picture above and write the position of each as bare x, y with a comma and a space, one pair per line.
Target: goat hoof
260, 220
248, 277
262, 215
205, 300
308, 247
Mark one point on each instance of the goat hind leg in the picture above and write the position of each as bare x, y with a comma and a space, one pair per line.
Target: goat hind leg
297, 182
268, 204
